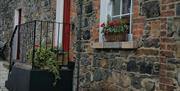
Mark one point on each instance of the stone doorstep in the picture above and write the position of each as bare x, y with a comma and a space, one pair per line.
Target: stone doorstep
23, 66
6, 65
118, 45
3, 75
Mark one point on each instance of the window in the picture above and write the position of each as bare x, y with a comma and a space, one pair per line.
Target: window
121, 8
116, 9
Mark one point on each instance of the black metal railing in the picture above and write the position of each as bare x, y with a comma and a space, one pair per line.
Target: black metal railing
29, 36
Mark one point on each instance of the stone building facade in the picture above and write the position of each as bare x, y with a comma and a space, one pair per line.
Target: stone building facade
149, 62
152, 64
31, 10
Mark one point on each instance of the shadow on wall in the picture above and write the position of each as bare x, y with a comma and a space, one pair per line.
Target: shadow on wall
3, 46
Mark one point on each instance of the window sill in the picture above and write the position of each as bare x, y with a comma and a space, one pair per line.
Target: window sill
115, 45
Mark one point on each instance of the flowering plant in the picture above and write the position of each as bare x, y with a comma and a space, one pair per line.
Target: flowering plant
115, 25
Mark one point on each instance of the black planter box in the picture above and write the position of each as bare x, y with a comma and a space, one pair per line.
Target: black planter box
23, 78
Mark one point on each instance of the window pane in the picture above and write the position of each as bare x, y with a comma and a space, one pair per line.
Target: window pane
114, 18
126, 5
116, 7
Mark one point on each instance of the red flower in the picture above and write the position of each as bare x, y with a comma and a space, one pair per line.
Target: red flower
102, 25
117, 22
36, 45
111, 23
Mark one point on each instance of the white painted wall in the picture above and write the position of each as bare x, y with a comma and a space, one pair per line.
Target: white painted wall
105, 10
59, 18
16, 21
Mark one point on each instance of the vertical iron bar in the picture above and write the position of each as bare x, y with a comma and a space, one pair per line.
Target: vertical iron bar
18, 41
40, 34
58, 41
27, 36
58, 36
30, 34
27, 41
47, 35
52, 34
21, 33
64, 53
27, 46
10, 65
34, 41
79, 43
69, 25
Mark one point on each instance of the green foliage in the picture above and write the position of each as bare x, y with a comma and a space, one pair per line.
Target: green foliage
122, 28
45, 60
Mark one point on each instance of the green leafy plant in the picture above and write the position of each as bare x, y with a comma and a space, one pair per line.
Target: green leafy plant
44, 59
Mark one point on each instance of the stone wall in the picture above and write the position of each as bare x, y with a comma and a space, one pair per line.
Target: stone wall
31, 10
169, 55
153, 66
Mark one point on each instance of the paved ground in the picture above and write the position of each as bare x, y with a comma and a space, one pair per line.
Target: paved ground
3, 75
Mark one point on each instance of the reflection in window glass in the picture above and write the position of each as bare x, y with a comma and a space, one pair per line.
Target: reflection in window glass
126, 6
116, 7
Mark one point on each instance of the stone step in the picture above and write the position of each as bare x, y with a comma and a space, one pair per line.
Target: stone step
3, 75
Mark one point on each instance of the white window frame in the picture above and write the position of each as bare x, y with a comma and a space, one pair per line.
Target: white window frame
59, 18
106, 9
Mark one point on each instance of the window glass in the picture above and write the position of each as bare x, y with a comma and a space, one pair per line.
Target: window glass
116, 10
126, 6
127, 18
116, 7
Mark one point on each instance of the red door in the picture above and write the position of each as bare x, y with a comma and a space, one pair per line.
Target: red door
66, 30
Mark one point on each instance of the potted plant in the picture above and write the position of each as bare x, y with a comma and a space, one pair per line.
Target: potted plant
48, 67
46, 74
44, 60
46, 71
43, 76
115, 30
